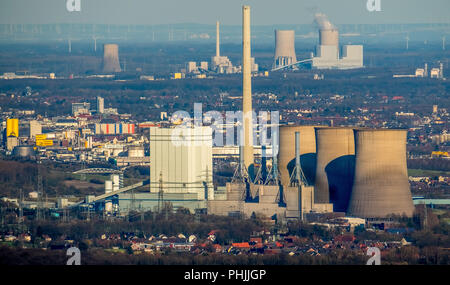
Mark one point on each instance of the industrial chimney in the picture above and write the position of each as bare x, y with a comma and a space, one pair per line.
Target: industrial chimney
284, 48
248, 158
381, 184
217, 39
335, 166
111, 58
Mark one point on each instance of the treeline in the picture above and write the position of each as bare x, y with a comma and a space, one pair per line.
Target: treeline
439, 164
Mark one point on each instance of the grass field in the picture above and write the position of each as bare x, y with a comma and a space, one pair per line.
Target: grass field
428, 173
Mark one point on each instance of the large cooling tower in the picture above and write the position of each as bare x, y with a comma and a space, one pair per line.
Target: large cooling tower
329, 37
111, 58
286, 153
335, 166
284, 48
381, 180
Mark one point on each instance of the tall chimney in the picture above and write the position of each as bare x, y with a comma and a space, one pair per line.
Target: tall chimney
247, 88
217, 39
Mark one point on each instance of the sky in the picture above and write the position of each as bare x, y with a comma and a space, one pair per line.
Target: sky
228, 12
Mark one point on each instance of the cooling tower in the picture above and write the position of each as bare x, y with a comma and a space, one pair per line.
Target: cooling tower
284, 48
381, 184
286, 154
111, 58
329, 37
335, 166
247, 88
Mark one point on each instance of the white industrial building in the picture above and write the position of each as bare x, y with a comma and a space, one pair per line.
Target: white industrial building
328, 55
181, 161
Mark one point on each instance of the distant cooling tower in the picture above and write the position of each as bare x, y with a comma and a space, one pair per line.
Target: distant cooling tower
111, 58
286, 154
381, 180
329, 37
335, 166
284, 48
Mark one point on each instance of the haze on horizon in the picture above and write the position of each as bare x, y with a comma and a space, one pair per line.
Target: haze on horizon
264, 12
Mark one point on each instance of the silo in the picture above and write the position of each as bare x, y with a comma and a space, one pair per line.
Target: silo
329, 37
381, 184
284, 48
286, 153
335, 166
111, 58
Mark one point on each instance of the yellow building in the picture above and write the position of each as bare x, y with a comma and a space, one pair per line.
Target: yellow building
12, 127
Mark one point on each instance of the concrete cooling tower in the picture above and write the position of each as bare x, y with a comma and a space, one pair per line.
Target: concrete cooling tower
329, 37
335, 166
111, 58
284, 48
286, 154
381, 184
328, 33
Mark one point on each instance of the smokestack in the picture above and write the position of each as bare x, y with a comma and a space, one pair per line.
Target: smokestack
381, 184
284, 48
217, 39
111, 58
286, 153
247, 88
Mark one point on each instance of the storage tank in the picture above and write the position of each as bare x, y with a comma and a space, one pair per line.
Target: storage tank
286, 154
284, 48
23, 151
335, 166
381, 184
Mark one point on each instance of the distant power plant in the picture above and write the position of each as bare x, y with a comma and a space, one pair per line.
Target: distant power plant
327, 54
284, 48
111, 58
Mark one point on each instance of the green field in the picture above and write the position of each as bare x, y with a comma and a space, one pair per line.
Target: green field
428, 173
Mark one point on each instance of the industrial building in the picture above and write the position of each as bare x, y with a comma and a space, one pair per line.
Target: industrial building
181, 161
327, 55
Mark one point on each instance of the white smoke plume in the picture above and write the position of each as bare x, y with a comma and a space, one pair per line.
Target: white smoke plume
322, 21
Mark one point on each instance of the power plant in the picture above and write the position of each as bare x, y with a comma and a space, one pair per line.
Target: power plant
221, 64
111, 58
284, 48
317, 170
381, 184
327, 55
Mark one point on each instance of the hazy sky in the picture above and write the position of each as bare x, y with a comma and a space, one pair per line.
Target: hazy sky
264, 12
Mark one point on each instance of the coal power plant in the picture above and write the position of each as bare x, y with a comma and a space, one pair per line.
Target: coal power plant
318, 170
328, 55
111, 58
284, 48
